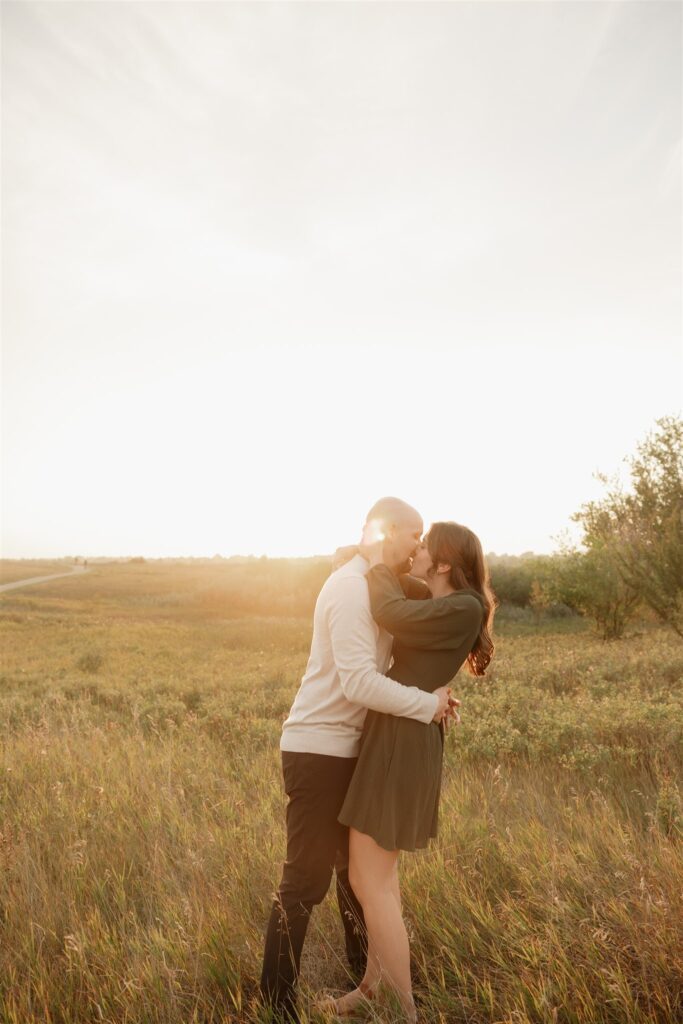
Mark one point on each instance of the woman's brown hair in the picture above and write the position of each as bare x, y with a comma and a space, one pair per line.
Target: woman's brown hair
452, 544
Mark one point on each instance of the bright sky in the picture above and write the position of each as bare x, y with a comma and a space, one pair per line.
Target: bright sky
264, 263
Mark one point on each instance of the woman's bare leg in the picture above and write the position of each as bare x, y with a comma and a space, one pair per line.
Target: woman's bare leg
366, 987
372, 970
396, 888
373, 872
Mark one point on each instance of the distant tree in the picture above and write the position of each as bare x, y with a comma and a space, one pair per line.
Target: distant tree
588, 582
511, 579
539, 598
639, 533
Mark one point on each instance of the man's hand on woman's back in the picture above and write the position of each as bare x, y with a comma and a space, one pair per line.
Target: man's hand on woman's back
447, 707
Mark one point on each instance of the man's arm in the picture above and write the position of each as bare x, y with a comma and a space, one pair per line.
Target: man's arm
354, 648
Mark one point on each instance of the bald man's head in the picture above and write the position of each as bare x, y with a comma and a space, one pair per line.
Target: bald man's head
401, 527
392, 510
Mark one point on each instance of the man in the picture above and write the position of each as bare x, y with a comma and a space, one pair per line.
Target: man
319, 745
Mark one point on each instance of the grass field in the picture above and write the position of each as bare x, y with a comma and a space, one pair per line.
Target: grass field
142, 812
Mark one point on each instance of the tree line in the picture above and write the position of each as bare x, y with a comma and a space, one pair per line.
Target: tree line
630, 555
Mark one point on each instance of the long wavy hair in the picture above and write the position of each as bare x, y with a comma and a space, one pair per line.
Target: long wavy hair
455, 545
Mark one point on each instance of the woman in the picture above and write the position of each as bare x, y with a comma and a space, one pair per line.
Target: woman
392, 800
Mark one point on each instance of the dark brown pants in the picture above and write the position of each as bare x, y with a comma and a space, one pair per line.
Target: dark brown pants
317, 845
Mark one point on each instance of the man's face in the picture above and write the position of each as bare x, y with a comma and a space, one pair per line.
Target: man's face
402, 541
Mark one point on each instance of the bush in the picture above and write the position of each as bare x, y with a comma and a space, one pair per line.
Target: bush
91, 661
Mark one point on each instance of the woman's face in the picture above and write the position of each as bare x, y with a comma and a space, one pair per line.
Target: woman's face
422, 562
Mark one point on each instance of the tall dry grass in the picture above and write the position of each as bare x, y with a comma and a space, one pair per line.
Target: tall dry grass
142, 817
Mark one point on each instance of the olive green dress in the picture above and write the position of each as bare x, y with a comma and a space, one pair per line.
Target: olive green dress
394, 791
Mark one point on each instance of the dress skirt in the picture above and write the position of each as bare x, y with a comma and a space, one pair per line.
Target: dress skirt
394, 791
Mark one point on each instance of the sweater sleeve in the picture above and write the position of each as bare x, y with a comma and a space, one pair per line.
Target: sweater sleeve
354, 649
414, 588
439, 623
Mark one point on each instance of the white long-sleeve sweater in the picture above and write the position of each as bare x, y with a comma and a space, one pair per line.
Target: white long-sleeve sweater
343, 678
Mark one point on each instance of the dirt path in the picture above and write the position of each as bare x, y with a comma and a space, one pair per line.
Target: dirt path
43, 579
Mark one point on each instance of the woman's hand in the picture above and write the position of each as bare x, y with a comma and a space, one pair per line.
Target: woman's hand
371, 545
344, 555
373, 553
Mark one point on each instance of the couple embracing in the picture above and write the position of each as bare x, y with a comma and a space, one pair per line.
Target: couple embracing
362, 748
